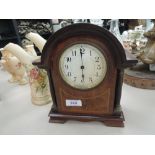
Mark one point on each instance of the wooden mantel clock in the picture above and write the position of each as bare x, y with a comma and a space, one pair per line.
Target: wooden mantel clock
85, 65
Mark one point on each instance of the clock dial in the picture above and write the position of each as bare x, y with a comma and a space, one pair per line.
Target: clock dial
82, 66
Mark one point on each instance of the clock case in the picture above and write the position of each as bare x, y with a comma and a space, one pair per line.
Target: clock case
101, 103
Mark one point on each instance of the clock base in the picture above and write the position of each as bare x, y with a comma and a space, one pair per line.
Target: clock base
108, 120
62, 121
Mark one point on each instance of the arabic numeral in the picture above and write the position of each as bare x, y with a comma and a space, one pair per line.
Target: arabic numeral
75, 79
97, 59
90, 79
82, 50
98, 67
82, 81
97, 74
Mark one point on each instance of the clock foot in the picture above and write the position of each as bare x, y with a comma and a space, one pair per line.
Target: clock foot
114, 123
112, 120
51, 120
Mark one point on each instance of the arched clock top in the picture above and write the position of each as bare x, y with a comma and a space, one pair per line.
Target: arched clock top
90, 30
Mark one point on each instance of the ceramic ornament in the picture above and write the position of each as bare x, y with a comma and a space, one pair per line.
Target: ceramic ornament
38, 80
30, 49
37, 40
14, 67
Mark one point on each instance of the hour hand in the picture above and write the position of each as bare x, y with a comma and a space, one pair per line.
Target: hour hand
82, 77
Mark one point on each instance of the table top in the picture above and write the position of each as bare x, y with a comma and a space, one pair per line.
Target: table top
19, 116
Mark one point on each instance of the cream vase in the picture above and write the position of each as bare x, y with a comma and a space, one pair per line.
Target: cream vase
38, 79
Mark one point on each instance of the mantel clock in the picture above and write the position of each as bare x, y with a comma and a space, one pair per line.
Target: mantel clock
85, 65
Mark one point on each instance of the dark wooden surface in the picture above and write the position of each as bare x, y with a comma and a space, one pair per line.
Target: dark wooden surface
97, 102
111, 120
144, 79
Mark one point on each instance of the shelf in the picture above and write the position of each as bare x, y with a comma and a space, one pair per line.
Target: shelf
8, 38
5, 42
9, 30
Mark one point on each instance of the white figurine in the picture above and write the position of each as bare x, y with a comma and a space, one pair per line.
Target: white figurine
37, 40
30, 49
38, 80
13, 66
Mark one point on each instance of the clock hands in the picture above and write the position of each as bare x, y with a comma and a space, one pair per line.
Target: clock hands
82, 67
82, 51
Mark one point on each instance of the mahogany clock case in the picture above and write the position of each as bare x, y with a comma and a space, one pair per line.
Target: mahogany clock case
92, 99
100, 103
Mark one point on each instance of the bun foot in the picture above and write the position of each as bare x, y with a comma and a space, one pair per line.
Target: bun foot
51, 120
114, 123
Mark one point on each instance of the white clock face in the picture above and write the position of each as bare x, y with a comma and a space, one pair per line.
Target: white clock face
82, 66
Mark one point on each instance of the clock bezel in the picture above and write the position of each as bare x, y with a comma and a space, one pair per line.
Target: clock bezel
99, 51
85, 40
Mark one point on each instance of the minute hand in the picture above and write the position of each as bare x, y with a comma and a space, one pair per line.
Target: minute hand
81, 54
